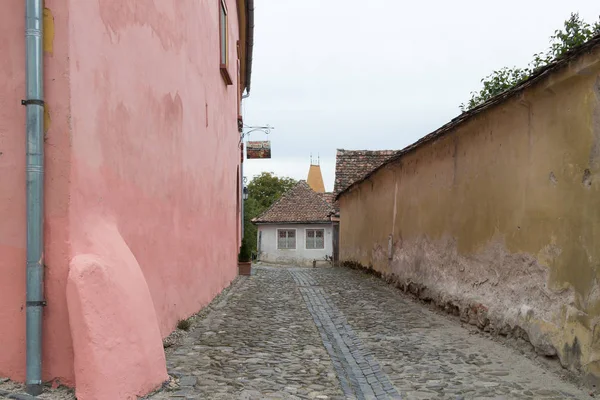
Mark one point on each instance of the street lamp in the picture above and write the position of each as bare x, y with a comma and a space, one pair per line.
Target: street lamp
245, 193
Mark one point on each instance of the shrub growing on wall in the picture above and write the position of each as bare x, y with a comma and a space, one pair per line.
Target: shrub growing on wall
574, 33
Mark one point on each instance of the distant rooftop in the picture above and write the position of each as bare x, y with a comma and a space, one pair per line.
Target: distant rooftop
300, 204
353, 165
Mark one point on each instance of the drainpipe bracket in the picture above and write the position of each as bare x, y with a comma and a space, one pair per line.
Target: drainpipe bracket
36, 303
32, 101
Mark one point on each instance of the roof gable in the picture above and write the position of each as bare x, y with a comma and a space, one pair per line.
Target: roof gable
300, 204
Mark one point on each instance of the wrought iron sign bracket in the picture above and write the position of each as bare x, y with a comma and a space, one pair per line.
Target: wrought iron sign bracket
249, 129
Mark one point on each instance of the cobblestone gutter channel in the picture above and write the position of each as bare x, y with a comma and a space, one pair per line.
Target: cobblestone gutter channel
359, 373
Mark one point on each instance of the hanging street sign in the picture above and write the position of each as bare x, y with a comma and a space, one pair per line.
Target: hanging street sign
260, 149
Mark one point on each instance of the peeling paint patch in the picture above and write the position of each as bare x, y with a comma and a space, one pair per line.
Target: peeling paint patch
553, 179
47, 118
495, 290
48, 31
587, 178
572, 354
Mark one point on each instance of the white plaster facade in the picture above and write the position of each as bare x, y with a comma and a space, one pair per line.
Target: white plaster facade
269, 252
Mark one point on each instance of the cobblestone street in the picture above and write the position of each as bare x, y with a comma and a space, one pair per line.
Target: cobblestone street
336, 333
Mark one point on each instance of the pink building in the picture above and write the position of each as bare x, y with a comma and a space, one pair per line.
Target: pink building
142, 200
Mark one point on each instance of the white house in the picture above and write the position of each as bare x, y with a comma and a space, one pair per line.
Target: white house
297, 229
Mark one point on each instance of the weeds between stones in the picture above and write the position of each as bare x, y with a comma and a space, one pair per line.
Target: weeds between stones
184, 324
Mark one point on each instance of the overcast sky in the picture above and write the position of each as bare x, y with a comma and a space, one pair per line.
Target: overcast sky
380, 74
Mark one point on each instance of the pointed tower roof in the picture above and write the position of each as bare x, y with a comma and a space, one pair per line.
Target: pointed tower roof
315, 179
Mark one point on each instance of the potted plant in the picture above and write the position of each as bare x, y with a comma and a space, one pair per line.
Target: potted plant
244, 259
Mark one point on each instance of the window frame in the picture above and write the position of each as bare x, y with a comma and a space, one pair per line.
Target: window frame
287, 238
306, 238
224, 43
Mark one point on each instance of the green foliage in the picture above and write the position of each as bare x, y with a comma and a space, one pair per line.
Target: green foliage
267, 188
245, 253
264, 190
251, 210
576, 32
496, 83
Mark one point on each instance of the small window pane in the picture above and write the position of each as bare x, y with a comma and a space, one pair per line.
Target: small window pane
315, 238
310, 239
286, 239
223, 35
320, 243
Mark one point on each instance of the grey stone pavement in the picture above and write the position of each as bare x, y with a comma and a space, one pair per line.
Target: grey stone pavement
334, 333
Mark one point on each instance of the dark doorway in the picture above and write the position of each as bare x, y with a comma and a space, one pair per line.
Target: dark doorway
336, 243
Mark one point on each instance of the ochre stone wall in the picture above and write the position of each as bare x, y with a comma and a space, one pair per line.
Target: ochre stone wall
499, 219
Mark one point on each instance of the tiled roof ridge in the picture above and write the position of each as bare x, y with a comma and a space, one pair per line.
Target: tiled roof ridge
390, 152
352, 165
305, 206
286, 193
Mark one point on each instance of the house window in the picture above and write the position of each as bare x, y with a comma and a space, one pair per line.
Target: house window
224, 38
315, 238
286, 238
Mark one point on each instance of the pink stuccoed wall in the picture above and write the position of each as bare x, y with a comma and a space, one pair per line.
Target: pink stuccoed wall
154, 138
142, 135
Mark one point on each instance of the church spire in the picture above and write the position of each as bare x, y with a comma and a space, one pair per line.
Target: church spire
315, 178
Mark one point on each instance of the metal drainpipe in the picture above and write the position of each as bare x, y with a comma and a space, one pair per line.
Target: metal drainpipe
35, 192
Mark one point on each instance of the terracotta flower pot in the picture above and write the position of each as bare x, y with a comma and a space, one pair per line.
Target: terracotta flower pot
244, 268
